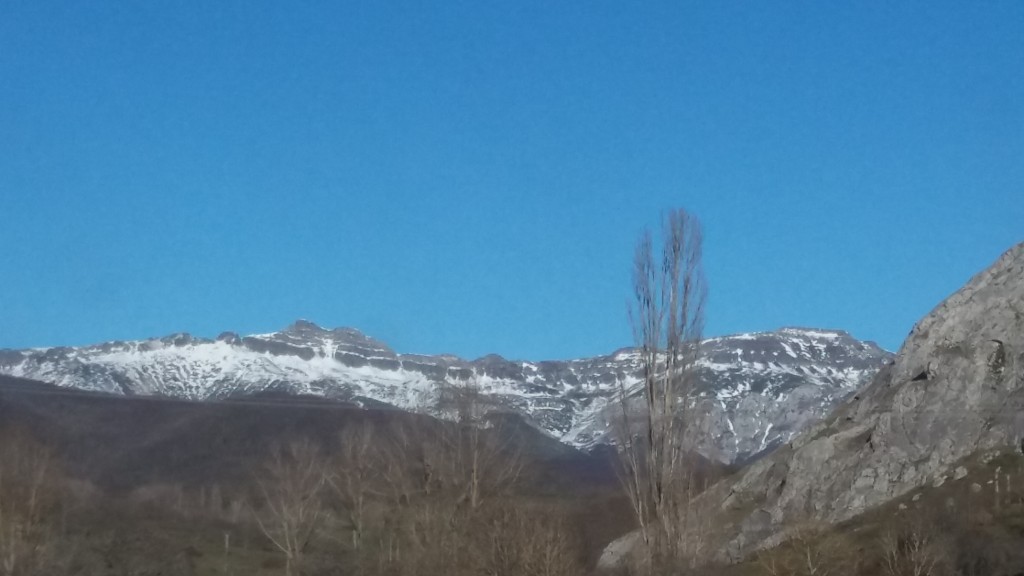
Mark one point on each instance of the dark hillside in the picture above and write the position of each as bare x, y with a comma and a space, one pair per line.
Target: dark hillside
120, 443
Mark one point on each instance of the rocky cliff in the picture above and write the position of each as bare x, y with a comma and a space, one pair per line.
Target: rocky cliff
955, 387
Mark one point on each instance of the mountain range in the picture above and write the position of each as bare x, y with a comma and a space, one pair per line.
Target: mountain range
759, 389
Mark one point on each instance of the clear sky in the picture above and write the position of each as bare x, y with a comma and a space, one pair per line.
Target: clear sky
470, 177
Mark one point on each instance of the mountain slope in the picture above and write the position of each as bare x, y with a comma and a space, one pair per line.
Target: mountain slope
122, 443
760, 388
955, 390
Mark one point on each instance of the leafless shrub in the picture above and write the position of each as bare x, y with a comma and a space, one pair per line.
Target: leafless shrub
810, 549
529, 543
913, 547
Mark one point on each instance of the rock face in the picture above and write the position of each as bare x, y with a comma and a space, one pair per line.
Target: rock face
956, 387
760, 389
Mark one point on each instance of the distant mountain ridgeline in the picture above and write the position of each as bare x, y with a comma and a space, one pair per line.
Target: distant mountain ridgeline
761, 388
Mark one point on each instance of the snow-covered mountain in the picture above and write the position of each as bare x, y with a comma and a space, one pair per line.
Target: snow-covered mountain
758, 389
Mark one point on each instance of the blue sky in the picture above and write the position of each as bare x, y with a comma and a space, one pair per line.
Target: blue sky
471, 177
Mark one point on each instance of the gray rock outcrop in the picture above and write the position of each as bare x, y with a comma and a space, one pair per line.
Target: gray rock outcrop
955, 388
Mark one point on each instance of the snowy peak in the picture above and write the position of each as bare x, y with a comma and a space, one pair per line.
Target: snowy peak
302, 325
816, 355
306, 340
304, 331
761, 387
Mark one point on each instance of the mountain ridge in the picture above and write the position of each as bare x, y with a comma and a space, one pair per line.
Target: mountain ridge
761, 387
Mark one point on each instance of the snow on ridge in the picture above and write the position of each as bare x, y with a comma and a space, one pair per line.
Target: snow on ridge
570, 400
824, 334
194, 369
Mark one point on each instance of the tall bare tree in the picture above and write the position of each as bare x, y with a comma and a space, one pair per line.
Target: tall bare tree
291, 485
667, 317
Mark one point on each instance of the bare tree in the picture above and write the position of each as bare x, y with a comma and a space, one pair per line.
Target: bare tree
529, 542
27, 501
358, 474
407, 471
291, 486
430, 492
667, 316
477, 455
